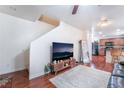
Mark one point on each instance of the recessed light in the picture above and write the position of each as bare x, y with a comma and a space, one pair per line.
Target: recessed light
100, 33
103, 35
118, 30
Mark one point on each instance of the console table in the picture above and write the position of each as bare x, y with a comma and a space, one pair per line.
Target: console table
63, 64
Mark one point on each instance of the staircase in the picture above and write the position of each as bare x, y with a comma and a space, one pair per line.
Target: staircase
47, 23
49, 20
35, 46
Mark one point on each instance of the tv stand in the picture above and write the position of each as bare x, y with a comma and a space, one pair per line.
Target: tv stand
63, 64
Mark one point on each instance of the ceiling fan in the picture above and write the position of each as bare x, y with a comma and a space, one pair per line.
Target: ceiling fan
75, 9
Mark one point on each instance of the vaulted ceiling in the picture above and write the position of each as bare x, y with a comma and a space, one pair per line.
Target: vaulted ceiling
85, 18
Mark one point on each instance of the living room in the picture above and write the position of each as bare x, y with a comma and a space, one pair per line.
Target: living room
40, 49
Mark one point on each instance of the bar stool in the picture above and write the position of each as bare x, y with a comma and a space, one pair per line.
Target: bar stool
115, 53
122, 55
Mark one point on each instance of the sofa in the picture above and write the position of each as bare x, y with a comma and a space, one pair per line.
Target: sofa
117, 77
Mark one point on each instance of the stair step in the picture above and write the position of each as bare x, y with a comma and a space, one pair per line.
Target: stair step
49, 20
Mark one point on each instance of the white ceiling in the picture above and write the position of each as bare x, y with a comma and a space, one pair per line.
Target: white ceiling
86, 17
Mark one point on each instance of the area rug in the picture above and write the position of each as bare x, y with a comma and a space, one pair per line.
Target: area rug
82, 77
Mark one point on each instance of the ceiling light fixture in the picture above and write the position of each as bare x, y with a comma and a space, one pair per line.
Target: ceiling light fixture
103, 35
104, 21
100, 33
118, 30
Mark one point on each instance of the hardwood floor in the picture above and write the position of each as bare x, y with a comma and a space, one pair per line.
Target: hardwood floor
20, 78
99, 63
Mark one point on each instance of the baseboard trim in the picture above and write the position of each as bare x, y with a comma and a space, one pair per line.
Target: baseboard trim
14, 72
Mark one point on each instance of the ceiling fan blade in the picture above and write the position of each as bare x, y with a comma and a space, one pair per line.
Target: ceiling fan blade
75, 8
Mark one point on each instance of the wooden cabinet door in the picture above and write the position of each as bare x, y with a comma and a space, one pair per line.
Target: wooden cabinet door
101, 51
102, 42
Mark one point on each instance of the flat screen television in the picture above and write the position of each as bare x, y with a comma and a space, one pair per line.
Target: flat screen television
62, 51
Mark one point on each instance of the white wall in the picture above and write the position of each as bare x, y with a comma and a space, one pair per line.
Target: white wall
89, 43
40, 50
15, 37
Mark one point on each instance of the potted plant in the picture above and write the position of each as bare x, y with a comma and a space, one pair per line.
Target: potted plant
47, 69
